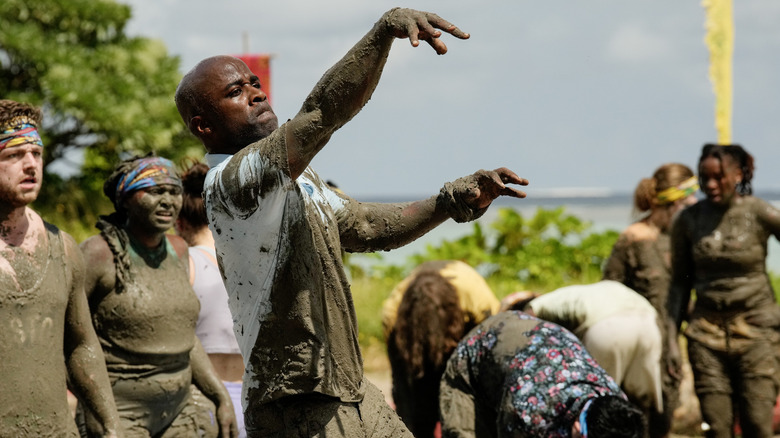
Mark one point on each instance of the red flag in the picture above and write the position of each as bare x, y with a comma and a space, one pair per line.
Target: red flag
260, 64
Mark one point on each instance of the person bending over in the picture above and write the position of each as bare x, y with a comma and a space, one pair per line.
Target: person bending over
516, 375
424, 318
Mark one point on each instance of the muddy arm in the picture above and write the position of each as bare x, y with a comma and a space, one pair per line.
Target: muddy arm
83, 354
682, 274
376, 226
346, 87
770, 217
615, 267
679, 293
206, 379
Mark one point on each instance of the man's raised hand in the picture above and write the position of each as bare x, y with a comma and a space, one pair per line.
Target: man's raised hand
419, 25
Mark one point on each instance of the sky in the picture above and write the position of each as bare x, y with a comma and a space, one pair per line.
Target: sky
575, 96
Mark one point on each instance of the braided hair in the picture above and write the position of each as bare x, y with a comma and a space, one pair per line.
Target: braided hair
739, 156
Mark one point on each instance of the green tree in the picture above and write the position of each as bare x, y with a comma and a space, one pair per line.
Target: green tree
104, 93
541, 253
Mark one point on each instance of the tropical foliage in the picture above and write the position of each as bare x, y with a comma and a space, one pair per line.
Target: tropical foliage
105, 95
540, 253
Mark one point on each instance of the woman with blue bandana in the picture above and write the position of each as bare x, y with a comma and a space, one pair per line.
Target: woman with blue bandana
144, 310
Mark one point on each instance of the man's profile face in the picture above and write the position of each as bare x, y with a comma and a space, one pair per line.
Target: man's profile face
239, 113
21, 173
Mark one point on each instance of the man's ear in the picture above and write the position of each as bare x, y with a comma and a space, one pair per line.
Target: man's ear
199, 126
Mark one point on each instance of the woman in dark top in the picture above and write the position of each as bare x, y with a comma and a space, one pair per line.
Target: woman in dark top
719, 248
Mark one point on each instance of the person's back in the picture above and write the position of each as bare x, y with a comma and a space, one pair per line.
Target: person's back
619, 328
429, 325
578, 307
516, 375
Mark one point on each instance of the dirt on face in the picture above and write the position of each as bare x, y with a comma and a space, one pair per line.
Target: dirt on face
147, 330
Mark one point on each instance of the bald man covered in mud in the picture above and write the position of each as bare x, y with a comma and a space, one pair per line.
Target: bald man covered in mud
47, 336
280, 229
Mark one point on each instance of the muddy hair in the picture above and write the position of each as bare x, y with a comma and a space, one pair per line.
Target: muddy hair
429, 324
611, 416
193, 209
112, 227
667, 176
739, 156
11, 109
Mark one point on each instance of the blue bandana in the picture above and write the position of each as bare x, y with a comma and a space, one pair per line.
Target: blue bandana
148, 172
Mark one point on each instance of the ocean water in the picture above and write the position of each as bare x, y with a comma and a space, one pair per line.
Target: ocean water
604, 211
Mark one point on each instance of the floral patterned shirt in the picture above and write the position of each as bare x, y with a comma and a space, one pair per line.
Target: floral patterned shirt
517, 375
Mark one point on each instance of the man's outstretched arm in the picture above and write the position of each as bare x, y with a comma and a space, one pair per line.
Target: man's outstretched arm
346, 87
376, 226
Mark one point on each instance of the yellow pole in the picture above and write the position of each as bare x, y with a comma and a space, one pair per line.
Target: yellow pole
720, 41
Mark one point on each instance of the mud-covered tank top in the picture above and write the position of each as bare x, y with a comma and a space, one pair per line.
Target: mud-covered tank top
149, 326
33, 321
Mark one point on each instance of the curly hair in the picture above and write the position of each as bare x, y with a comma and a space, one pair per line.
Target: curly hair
739, 156
11, 109
429, 324
428, 327
615, 417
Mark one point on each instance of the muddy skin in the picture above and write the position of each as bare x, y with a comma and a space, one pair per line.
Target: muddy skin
144, 312
641, 259
33, 402
280, 231
721, 252
147, 331
42, 296
47, 339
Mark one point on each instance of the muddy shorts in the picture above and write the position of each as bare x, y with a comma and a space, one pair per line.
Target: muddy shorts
309, 415
195, 418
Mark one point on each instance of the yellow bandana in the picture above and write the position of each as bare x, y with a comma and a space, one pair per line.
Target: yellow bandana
681, 191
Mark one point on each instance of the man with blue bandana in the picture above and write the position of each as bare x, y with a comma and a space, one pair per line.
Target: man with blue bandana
46, 339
